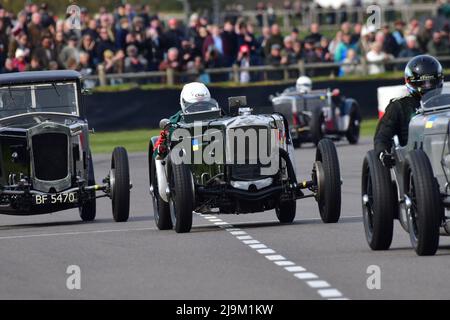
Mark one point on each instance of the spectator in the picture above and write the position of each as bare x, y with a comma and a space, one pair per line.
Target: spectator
351, 64
438, 46
375, 57
275, 59
35, 30
105, 43
411, 49
275, 38
70, 51
343, 47
426, 34
172, 61
230, 44
134, 62
398, 33
34, 65
19, 42
19, 61
314, 35
45, 52
88, 47
244, 61
173, 36
214, 40
9, 66
390, 45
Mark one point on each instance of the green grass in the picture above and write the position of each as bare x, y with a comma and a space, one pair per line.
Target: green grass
132, 140
137, 140
368, 127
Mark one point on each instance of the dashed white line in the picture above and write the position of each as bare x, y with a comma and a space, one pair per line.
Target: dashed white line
316, 284
323, 288
295, 269
275, 257
250, 241
330, 293
265, 251
258, 246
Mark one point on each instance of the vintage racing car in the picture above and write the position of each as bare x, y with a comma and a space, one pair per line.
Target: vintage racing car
45, 160
318, 114
213, 178
416, 190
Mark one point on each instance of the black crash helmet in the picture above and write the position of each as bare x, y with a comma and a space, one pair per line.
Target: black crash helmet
422, 74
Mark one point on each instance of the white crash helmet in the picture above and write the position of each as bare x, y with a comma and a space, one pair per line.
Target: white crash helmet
193, 92
304, 84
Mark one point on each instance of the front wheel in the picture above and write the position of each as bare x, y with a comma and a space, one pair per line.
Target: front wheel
286, 211
328, 171
119, 179
424, 206
182, 197
378, 203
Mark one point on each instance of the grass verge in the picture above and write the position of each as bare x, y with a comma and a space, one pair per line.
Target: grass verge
137, 140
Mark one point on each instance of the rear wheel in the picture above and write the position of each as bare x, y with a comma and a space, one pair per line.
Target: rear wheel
286, 211
425, 210
120, 185
329, 199
88, 208
379, 203
354, 126
316, 125
182, 197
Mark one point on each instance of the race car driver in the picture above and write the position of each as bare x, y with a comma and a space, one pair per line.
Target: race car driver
423, 73
303, 84
192, 93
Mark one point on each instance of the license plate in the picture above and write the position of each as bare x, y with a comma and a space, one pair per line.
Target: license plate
56, 198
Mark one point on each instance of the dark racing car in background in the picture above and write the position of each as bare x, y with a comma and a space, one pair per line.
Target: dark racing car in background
227, 186
317, 114
45, 160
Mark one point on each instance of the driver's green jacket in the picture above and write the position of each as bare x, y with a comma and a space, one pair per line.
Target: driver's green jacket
173, 120
395, 122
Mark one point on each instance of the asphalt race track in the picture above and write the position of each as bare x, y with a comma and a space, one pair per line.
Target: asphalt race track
224, 257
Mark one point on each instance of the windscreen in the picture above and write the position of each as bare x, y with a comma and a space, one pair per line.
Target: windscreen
53, 97
202, 106
438, 98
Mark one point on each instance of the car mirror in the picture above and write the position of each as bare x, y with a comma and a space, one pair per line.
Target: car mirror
86, 92
163, 123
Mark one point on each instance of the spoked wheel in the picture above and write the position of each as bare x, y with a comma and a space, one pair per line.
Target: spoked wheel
378, 203
182, 197
119, 179
354, 126
161, 209
326, 174
88, 209
423, 203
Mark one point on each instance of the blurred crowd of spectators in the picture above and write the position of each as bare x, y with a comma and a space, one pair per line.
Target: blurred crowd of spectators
133, 39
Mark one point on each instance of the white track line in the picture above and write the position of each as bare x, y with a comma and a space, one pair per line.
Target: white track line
322, 287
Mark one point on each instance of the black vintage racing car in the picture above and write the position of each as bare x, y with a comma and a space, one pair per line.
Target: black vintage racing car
45, 160
318, 114
214, 180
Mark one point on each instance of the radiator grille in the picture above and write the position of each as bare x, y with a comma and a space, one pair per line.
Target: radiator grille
50, 156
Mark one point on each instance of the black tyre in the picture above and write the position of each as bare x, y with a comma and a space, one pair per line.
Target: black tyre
182, 197
296, 143
161, 209
316, 124
89, 208
286, 211
379, 203
120, 185
354, 126
330, 200
426, 211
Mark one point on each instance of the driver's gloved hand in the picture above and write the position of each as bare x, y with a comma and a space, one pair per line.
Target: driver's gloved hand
387, 159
